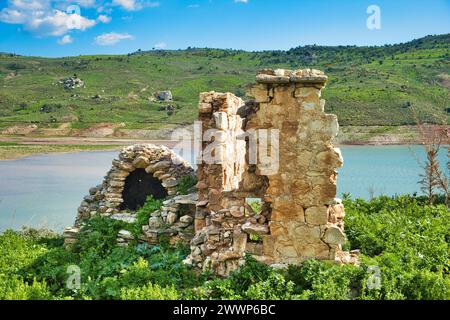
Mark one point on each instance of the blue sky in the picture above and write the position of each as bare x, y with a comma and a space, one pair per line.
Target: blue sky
48, 28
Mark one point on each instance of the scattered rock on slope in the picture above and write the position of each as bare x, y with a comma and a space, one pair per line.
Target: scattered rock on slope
72, 83
164, 96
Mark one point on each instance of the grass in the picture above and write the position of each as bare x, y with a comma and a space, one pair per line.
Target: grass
368, 85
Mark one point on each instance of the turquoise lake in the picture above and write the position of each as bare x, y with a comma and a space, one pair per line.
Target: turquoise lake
45, 190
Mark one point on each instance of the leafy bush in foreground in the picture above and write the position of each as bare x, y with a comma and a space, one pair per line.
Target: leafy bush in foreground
404, 243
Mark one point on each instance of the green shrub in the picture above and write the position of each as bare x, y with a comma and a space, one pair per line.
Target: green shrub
324, 281
186, 184
15, 288
275, 287
149, 292
250, 273
18, 251
143, 214
404, 226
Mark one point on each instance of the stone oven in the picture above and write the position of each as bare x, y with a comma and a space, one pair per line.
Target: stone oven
138, 172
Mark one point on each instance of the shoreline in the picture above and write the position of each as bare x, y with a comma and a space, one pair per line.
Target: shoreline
14, 148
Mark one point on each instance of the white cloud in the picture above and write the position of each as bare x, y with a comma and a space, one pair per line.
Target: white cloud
112, 38
133, 5
50, 18
57, 23
160, 45
39, 17
86, 3
12, 16
240, 1
65, 40
194, 6
104, 18
30, 4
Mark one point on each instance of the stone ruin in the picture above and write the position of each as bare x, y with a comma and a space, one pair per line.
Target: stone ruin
140, 171
300, 217
295, 180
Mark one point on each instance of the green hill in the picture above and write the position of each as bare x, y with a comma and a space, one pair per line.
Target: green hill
368, 85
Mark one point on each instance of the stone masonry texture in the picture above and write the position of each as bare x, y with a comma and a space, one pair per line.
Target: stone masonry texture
300, 217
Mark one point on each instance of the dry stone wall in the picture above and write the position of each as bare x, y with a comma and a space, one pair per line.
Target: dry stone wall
156, 169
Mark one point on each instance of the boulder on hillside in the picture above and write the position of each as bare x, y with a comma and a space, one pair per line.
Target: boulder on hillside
164, 96
72, 83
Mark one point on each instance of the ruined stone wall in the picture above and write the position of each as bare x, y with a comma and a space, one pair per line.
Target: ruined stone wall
301, 218
306, 220
219, 242
107, 199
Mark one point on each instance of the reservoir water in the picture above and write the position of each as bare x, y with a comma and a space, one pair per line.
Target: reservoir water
45, 190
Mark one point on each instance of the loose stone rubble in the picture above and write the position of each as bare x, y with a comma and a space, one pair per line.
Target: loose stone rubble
107, 199
72, 83
301, 218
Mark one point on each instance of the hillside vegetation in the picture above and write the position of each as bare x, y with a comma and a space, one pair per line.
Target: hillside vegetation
368, 85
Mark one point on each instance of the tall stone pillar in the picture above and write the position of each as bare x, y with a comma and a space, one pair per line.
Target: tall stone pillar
306, 220
219, 242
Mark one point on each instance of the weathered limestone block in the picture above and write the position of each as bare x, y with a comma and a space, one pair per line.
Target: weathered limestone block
317, 215
221, 120
260, 93
158, 166
169, 183
329, 159
155, 223
205, 107
311, 76
337, 213
304, 233
317, 250
141, 162
125, 234
129, 218
334, 236
253, 228
171, 218
186, 219
273, 76
122, 165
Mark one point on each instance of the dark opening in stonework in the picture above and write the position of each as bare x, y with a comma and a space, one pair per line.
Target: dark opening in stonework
138, 186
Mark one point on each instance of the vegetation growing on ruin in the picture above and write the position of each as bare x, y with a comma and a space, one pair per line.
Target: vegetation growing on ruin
186, 184
401, 237
367, 85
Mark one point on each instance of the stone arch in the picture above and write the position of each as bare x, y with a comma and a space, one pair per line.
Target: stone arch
138, 171
138, 186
